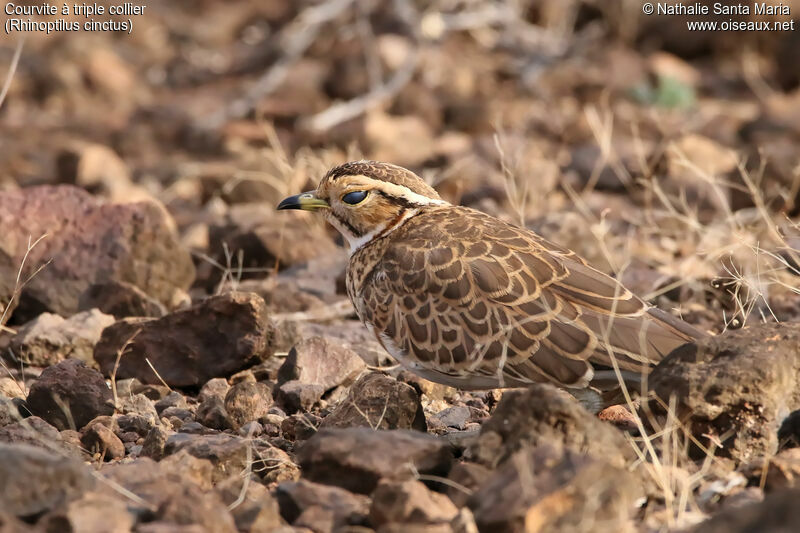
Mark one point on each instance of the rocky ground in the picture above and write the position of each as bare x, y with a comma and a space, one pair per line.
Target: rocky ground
177, 356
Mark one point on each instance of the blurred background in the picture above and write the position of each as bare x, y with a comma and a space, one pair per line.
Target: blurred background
668, 157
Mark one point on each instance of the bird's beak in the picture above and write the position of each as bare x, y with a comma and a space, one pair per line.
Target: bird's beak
306, 201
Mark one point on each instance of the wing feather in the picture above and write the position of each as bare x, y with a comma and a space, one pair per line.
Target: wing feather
510, 308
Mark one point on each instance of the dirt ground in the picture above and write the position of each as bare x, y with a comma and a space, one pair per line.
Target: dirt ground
178, 356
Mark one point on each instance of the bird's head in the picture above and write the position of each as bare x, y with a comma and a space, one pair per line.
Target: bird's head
366, 199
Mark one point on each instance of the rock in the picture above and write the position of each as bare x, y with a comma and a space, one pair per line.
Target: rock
739, 384
295, 498
227, 453
151, 391
121, 299
297, 396
213, 387
321, 361
190, 505
170, 494
187, 466
257, 512
169, 527
138, 406
11, 388
379, 402
547, 489
300, 426
9, 412
9, 523
456, 417
172, 399
469, 476
409, 502
185, 347
88, 242
138, 424
543, 414
261, 237
35, 432
93, 512
212, 414
95, 167
35, 480
789, 432
778, 513
328, 457
154, 443
782, 471
72, 387
49, 338
247, 401
99, 439
251, 429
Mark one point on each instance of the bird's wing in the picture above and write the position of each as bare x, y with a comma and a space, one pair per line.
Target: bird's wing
468, 295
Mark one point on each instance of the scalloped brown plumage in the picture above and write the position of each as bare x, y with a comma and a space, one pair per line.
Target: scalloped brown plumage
468, 300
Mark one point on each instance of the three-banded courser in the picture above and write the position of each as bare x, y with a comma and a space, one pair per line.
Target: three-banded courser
465, 299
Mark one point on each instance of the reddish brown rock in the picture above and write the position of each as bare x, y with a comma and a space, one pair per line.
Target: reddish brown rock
70, 394
328, 457
257, 511
345, 508
409, 502
121, 299
186, 347
547, 489
543, 414
739, 384
101, 440
94, 511
247, 401
88, 242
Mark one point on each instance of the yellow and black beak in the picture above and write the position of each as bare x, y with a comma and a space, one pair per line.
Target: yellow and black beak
306, 201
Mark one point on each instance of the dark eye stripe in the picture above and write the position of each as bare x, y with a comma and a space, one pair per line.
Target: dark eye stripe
354, 197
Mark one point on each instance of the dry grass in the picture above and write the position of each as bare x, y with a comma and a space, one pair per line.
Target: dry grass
744, 253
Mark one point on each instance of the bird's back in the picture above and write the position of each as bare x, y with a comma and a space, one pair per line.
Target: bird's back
466, 299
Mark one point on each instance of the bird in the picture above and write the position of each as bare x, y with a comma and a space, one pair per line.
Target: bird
465, 299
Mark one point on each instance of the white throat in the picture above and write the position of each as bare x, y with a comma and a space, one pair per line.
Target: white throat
356, 243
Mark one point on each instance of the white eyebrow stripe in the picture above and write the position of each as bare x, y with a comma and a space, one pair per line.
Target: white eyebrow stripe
400, 191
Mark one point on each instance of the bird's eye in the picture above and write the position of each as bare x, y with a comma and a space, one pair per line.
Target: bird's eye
355, 197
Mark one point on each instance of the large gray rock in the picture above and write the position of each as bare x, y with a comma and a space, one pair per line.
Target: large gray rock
321, 361
49, 338
214, 338
739, 385
87, 242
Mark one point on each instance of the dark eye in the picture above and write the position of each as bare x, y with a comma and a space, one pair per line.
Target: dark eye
354, 197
